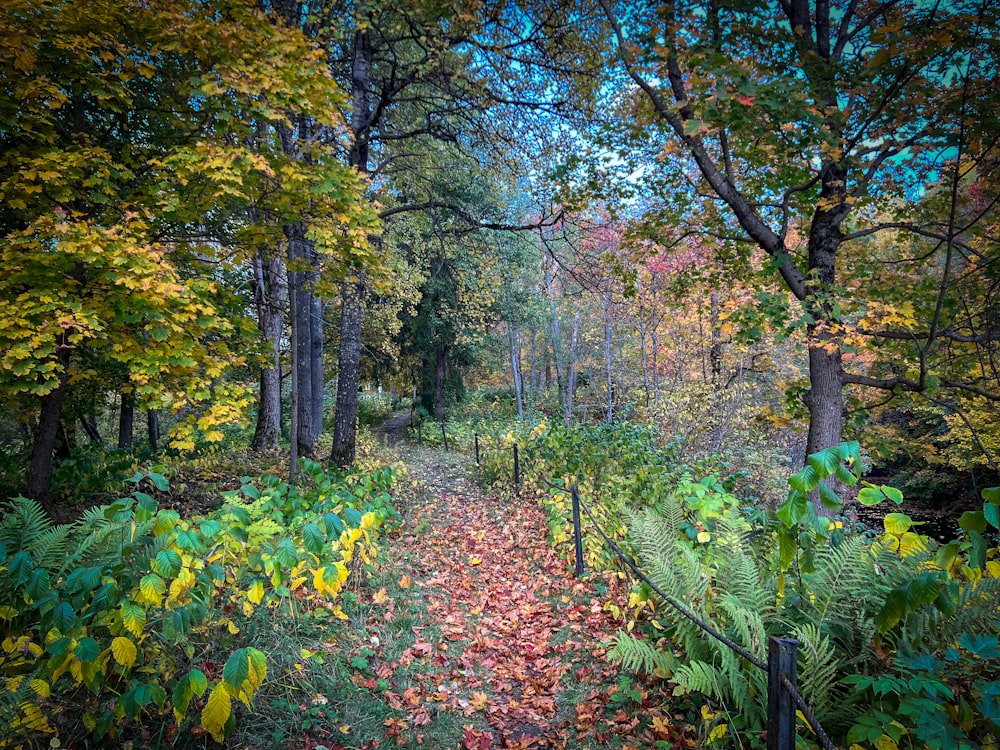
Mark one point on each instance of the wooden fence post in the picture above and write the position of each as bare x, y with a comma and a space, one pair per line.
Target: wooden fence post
517, 470
577, 535
477, 449
781, 660
444, 437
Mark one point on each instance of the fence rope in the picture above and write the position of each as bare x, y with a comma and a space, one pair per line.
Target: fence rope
759, 663
807, 712
804, 707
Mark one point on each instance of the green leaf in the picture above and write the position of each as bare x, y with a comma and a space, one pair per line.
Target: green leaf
189, 541
845, 475
805, 481
286, 554
946, 555
793, 509
829, 498
250, 491
199, 683
870, 496
973, 520
313, 538
87, 650
991, 513
159, 481
63, 617
20, 568
167, 563
236, 670
892, 493
980, 645
991, 495
334, 526
352, 517
824, 462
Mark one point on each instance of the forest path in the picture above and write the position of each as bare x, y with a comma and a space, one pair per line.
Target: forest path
483, 638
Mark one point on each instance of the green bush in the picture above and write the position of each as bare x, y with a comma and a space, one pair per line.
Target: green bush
129, 616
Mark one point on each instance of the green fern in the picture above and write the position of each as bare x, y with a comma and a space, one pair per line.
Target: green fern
638, 655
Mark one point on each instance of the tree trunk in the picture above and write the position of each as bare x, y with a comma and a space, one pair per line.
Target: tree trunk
316, 363
89, 423
345, 421
571, 373
126, 421
715, 352
270, 295
345, 424
513, 338
440, 378
554, 332
153, 430
300, 281
40, 467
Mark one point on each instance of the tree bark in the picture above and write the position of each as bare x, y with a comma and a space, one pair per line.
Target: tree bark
89, 423
607, 359
153, 430
715, 352
301, 280
50, 412
352, 291
270, 295
345, 421
316, 364
554, 332
126, 421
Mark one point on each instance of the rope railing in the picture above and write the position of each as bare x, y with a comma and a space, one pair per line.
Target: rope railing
783, 695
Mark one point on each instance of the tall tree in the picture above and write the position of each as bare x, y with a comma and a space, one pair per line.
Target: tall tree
123, 161
803, 117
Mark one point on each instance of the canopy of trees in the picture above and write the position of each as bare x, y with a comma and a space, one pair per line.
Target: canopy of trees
763, 227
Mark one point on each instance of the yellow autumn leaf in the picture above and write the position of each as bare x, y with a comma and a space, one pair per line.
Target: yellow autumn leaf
256, 592
216, 713
124, 651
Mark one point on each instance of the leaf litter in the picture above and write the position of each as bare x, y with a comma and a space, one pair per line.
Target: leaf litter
506, 648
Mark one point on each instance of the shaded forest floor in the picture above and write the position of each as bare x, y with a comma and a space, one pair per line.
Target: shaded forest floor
477, 635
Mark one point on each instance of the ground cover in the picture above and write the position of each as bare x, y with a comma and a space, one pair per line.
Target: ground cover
476, 634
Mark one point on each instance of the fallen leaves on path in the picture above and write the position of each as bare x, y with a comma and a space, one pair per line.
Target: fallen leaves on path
506, 639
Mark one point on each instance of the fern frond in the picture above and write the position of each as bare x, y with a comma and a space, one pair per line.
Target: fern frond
700, 677
24, 522
818, 669
639, 655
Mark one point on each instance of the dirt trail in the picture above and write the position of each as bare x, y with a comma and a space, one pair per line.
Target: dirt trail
486, 639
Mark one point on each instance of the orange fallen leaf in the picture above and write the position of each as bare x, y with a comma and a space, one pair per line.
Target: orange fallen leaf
404, 582
380, 597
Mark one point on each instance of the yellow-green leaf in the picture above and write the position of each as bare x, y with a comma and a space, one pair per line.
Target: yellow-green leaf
124, 651
216, 713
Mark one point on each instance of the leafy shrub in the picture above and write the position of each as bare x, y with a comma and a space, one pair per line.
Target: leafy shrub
119, 615
897, 639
